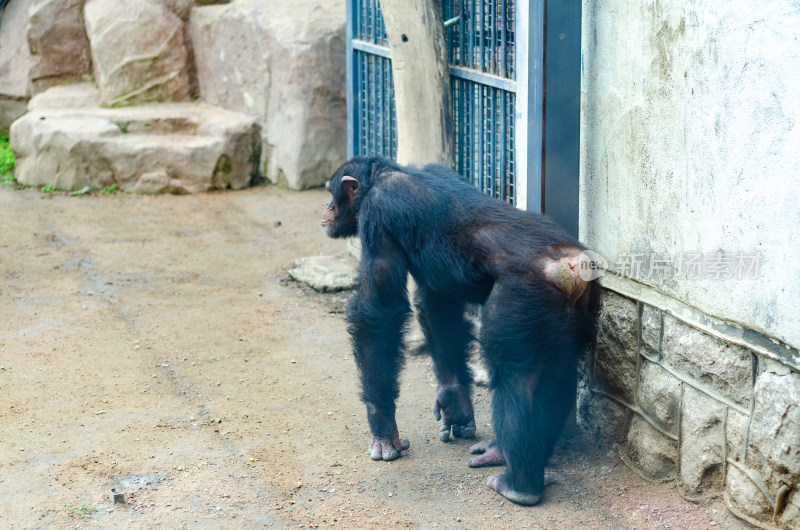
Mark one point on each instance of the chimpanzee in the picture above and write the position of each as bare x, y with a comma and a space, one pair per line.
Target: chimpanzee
463, 247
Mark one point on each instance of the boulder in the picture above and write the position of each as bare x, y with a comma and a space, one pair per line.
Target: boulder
15, 62
57, 42
160, 147
284, 63
15, 56
139, 51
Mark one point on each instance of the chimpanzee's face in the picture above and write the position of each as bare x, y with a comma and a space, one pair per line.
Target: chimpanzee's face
339, 216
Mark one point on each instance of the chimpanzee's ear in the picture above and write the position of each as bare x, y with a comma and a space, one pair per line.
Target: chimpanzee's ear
352, 186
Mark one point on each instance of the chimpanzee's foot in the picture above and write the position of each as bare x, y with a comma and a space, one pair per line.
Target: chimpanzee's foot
499, 483
489, 454
387, 448
453, 404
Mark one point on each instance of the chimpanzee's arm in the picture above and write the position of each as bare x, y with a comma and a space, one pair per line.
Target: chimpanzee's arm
377, 314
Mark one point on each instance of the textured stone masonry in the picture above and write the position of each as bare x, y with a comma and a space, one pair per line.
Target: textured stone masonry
684, 404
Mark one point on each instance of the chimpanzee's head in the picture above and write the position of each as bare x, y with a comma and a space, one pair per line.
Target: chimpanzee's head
339, 217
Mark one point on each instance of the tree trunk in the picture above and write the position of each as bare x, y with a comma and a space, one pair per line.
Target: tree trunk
421, 81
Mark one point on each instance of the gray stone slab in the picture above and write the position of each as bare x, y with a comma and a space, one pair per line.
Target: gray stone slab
159, 147
702, 437
326, 273
725, 368
659, 396
655, 454
615, 353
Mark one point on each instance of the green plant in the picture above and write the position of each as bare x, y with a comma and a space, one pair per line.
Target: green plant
123, 126
7, 162
110, 190
83, 510
49, 188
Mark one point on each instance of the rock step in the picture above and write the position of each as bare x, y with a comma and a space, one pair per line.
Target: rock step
67, 141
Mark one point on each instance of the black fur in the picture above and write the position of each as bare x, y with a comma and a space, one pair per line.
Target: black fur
462, 247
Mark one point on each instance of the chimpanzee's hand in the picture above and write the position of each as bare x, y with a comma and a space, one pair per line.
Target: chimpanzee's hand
453, 404
387, 448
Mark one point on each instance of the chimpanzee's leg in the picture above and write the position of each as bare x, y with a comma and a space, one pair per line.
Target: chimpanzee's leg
530, 342
448, 335
377, 314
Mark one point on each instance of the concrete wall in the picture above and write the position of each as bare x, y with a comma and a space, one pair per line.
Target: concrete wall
691, 142
690, 150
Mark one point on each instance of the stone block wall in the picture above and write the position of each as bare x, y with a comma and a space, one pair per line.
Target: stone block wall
696, 408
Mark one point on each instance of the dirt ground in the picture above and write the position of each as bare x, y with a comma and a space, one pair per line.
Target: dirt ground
156, 345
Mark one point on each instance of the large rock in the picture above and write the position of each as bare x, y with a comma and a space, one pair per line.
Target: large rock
167, 147
284, 63
15, 62
15, 57
57, 42
139, 50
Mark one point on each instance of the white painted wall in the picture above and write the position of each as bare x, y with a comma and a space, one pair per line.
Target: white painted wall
691, 142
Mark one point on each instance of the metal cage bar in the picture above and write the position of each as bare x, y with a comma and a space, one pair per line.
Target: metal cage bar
484, 89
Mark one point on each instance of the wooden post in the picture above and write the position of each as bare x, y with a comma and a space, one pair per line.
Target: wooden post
421, 81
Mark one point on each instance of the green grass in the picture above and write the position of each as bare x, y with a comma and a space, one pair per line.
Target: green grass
110, 190
49, 188
7, 163
83, 510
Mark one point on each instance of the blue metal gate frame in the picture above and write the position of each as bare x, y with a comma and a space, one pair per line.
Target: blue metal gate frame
497, 50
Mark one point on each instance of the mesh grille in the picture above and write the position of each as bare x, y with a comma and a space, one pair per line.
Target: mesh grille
369, 23
484, 38
483, 119
374, 109
483, 116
